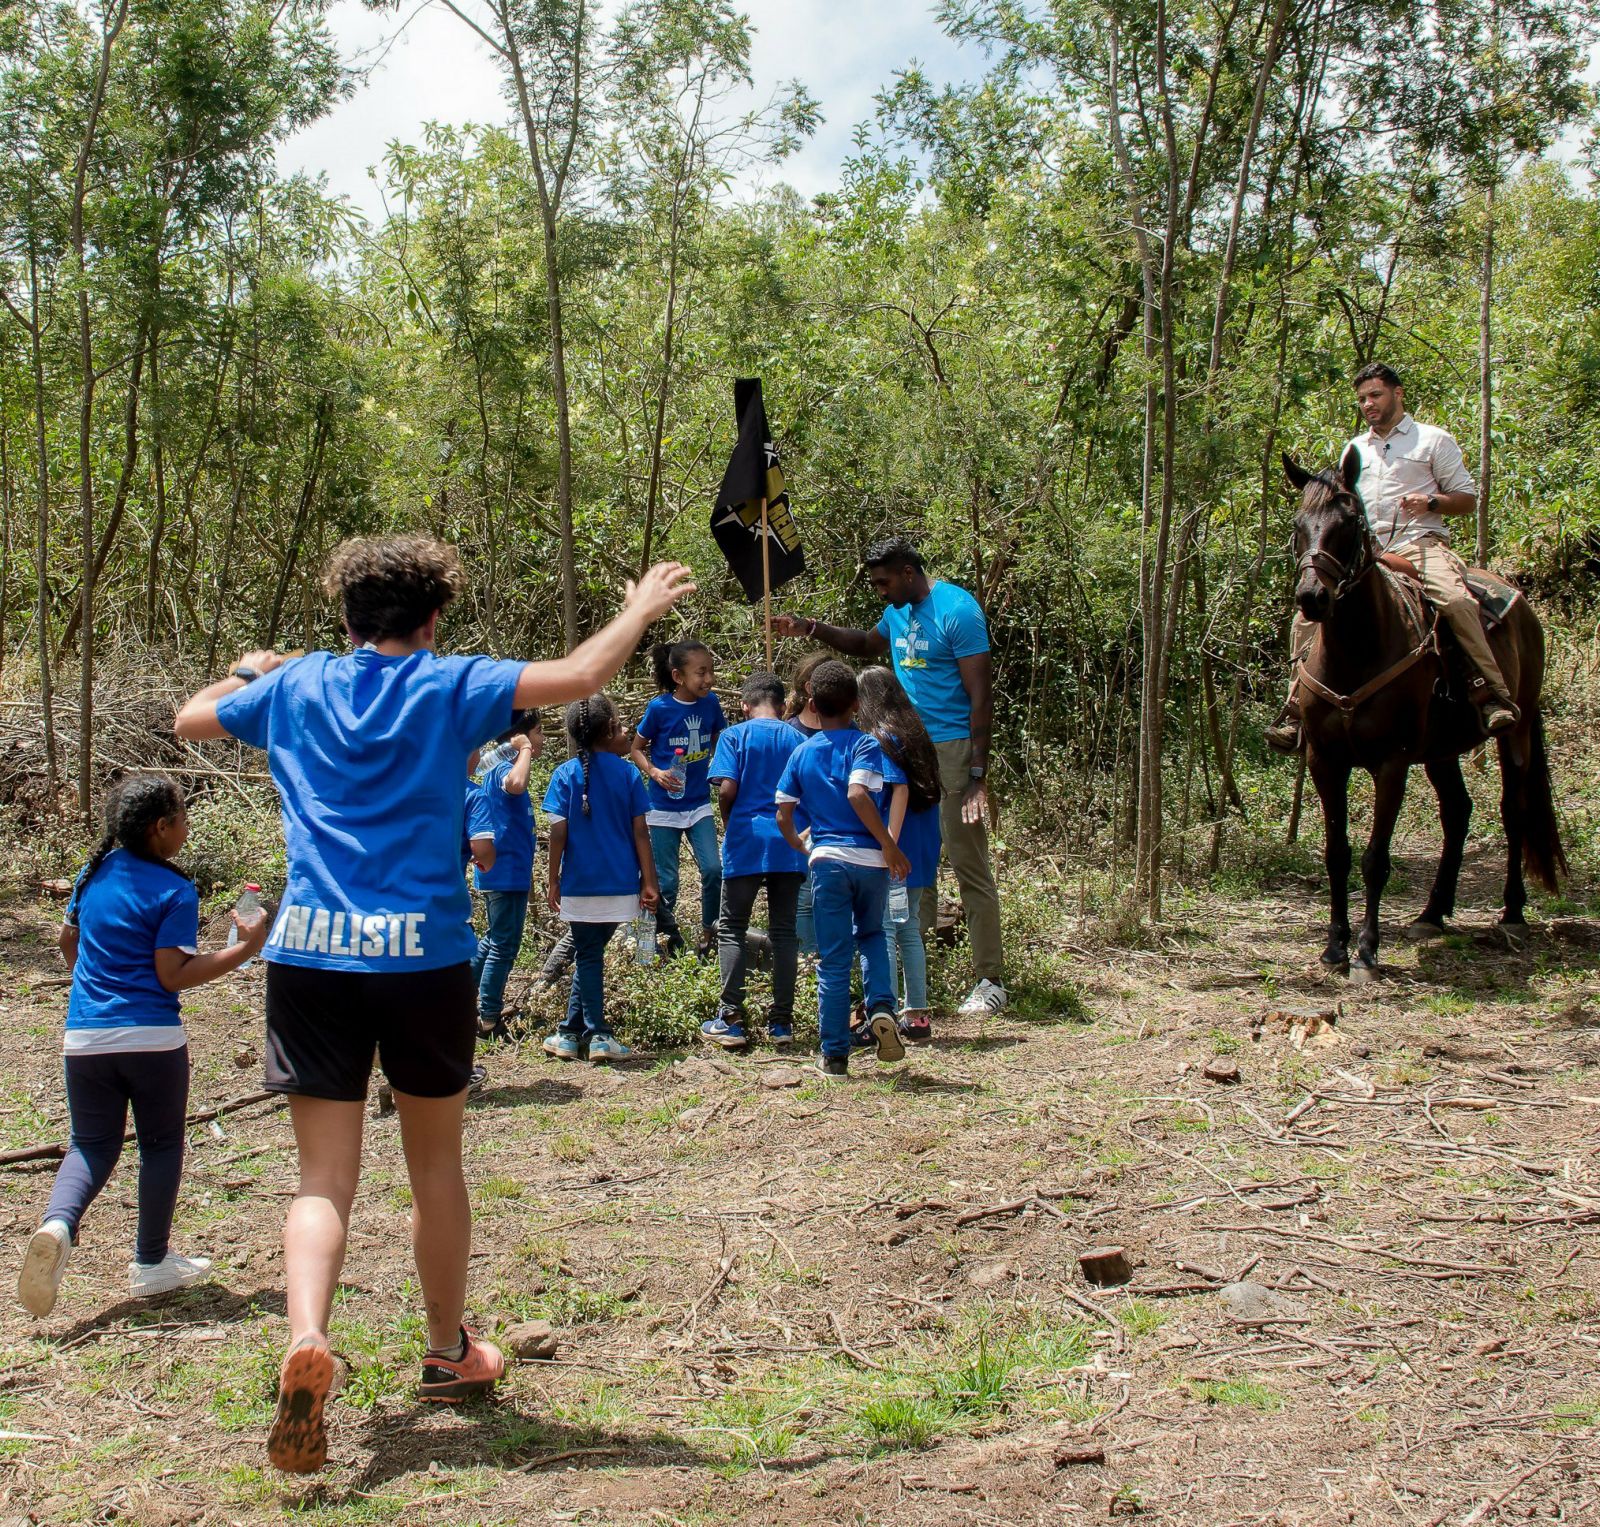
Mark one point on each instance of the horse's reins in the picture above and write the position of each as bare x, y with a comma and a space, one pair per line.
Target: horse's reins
1338, 579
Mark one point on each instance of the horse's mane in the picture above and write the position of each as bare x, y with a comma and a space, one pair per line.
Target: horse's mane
1323, 489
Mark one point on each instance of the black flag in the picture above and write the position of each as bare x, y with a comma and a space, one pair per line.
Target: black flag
754, 472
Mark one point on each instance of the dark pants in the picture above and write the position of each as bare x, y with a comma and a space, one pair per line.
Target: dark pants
99, 1090
586, 1015
738, 899
498, 950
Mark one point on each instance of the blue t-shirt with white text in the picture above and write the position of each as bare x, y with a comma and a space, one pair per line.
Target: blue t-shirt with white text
668, 724
600, 858
753, 755
127, 910
818, 777
925, 641
369, 753
511, 817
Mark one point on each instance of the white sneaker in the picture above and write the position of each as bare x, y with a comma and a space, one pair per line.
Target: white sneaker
987, 999
171, 1272
44, 1264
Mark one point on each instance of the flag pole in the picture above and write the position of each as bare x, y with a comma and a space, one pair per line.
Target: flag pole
766, 581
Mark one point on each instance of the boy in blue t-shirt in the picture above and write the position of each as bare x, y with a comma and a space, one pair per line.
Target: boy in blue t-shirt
505, 884
749, 762
837, 778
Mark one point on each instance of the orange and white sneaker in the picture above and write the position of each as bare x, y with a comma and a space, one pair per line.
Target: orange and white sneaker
450, 1380
298, 1441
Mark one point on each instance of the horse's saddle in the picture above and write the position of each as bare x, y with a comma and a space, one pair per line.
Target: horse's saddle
1494, 594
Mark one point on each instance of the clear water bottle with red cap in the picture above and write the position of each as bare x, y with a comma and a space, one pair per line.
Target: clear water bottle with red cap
247, 906
679, 773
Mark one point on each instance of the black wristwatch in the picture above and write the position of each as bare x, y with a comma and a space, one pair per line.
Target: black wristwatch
1433, 503
977, 773
249, 675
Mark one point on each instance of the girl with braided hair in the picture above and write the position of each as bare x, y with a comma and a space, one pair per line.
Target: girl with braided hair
129, 935
601, 868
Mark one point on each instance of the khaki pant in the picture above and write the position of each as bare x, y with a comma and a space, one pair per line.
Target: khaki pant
967, 848
1444, 585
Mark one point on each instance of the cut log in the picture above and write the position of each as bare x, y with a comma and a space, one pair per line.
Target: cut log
1105, 1266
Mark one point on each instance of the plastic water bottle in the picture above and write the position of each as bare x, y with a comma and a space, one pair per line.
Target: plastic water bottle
246, 906
644, 938
680, 775
899, 902
490, 756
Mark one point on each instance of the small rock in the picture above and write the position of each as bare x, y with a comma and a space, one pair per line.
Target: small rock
693, 1120
991, 1274
1105, 1266
778, 1077
1069, 1453
1250, 1303
1223, 1069
530, 1341
245, 1057
1361, 1052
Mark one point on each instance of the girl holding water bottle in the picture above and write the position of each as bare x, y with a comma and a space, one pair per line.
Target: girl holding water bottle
672, 748
130, 936
886, 712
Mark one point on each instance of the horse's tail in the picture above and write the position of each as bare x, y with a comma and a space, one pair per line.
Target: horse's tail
1543, 857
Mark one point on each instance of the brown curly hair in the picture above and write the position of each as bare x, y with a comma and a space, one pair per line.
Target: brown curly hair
389, 585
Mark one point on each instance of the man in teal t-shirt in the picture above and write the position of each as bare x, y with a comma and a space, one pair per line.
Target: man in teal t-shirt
936, 635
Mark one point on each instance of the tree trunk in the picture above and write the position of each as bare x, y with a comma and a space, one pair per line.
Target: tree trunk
319, 441
152, 576
42, 529
1485, 377
112, 25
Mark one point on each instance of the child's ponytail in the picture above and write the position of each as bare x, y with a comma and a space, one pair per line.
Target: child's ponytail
664, 658
587, 722
133, 806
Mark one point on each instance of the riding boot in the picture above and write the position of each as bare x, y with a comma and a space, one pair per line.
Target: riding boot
1495, 711
1285, 734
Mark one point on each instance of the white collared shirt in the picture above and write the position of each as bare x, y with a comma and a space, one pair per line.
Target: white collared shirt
1411, 458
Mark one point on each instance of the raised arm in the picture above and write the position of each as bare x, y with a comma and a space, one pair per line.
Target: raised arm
516, 780
591, 665
197, 718
841, 638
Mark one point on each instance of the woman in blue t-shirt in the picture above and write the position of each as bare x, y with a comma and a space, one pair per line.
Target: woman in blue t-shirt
601, 869
680, 726
129, 934
371, 951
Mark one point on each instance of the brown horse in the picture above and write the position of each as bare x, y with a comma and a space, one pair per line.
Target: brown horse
1375, 694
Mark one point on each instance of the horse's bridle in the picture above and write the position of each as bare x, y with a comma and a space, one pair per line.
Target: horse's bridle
1333, 574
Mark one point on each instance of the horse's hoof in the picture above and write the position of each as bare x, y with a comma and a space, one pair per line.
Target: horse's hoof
1515, 924
1421, 931
1363, 975
1337, 964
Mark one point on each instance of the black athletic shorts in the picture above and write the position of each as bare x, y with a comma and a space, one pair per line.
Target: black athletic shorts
323, 1027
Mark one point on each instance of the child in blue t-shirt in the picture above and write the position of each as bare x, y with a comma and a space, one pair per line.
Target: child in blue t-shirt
129, 934
506, 883
886, 713
684, 719
600, 872
837, 778
749, 761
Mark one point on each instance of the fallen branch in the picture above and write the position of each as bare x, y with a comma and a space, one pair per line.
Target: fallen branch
55, 1152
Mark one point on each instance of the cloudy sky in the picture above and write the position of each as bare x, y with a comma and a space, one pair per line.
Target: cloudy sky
433, 69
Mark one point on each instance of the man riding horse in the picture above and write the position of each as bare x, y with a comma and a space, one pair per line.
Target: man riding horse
1412, 478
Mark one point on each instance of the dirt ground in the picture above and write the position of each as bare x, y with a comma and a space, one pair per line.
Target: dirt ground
782, 1302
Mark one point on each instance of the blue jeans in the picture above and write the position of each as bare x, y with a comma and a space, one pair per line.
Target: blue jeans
497, 950
100, 1089
805, 925
848, 901
908, 952
664, 850
586, 1011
